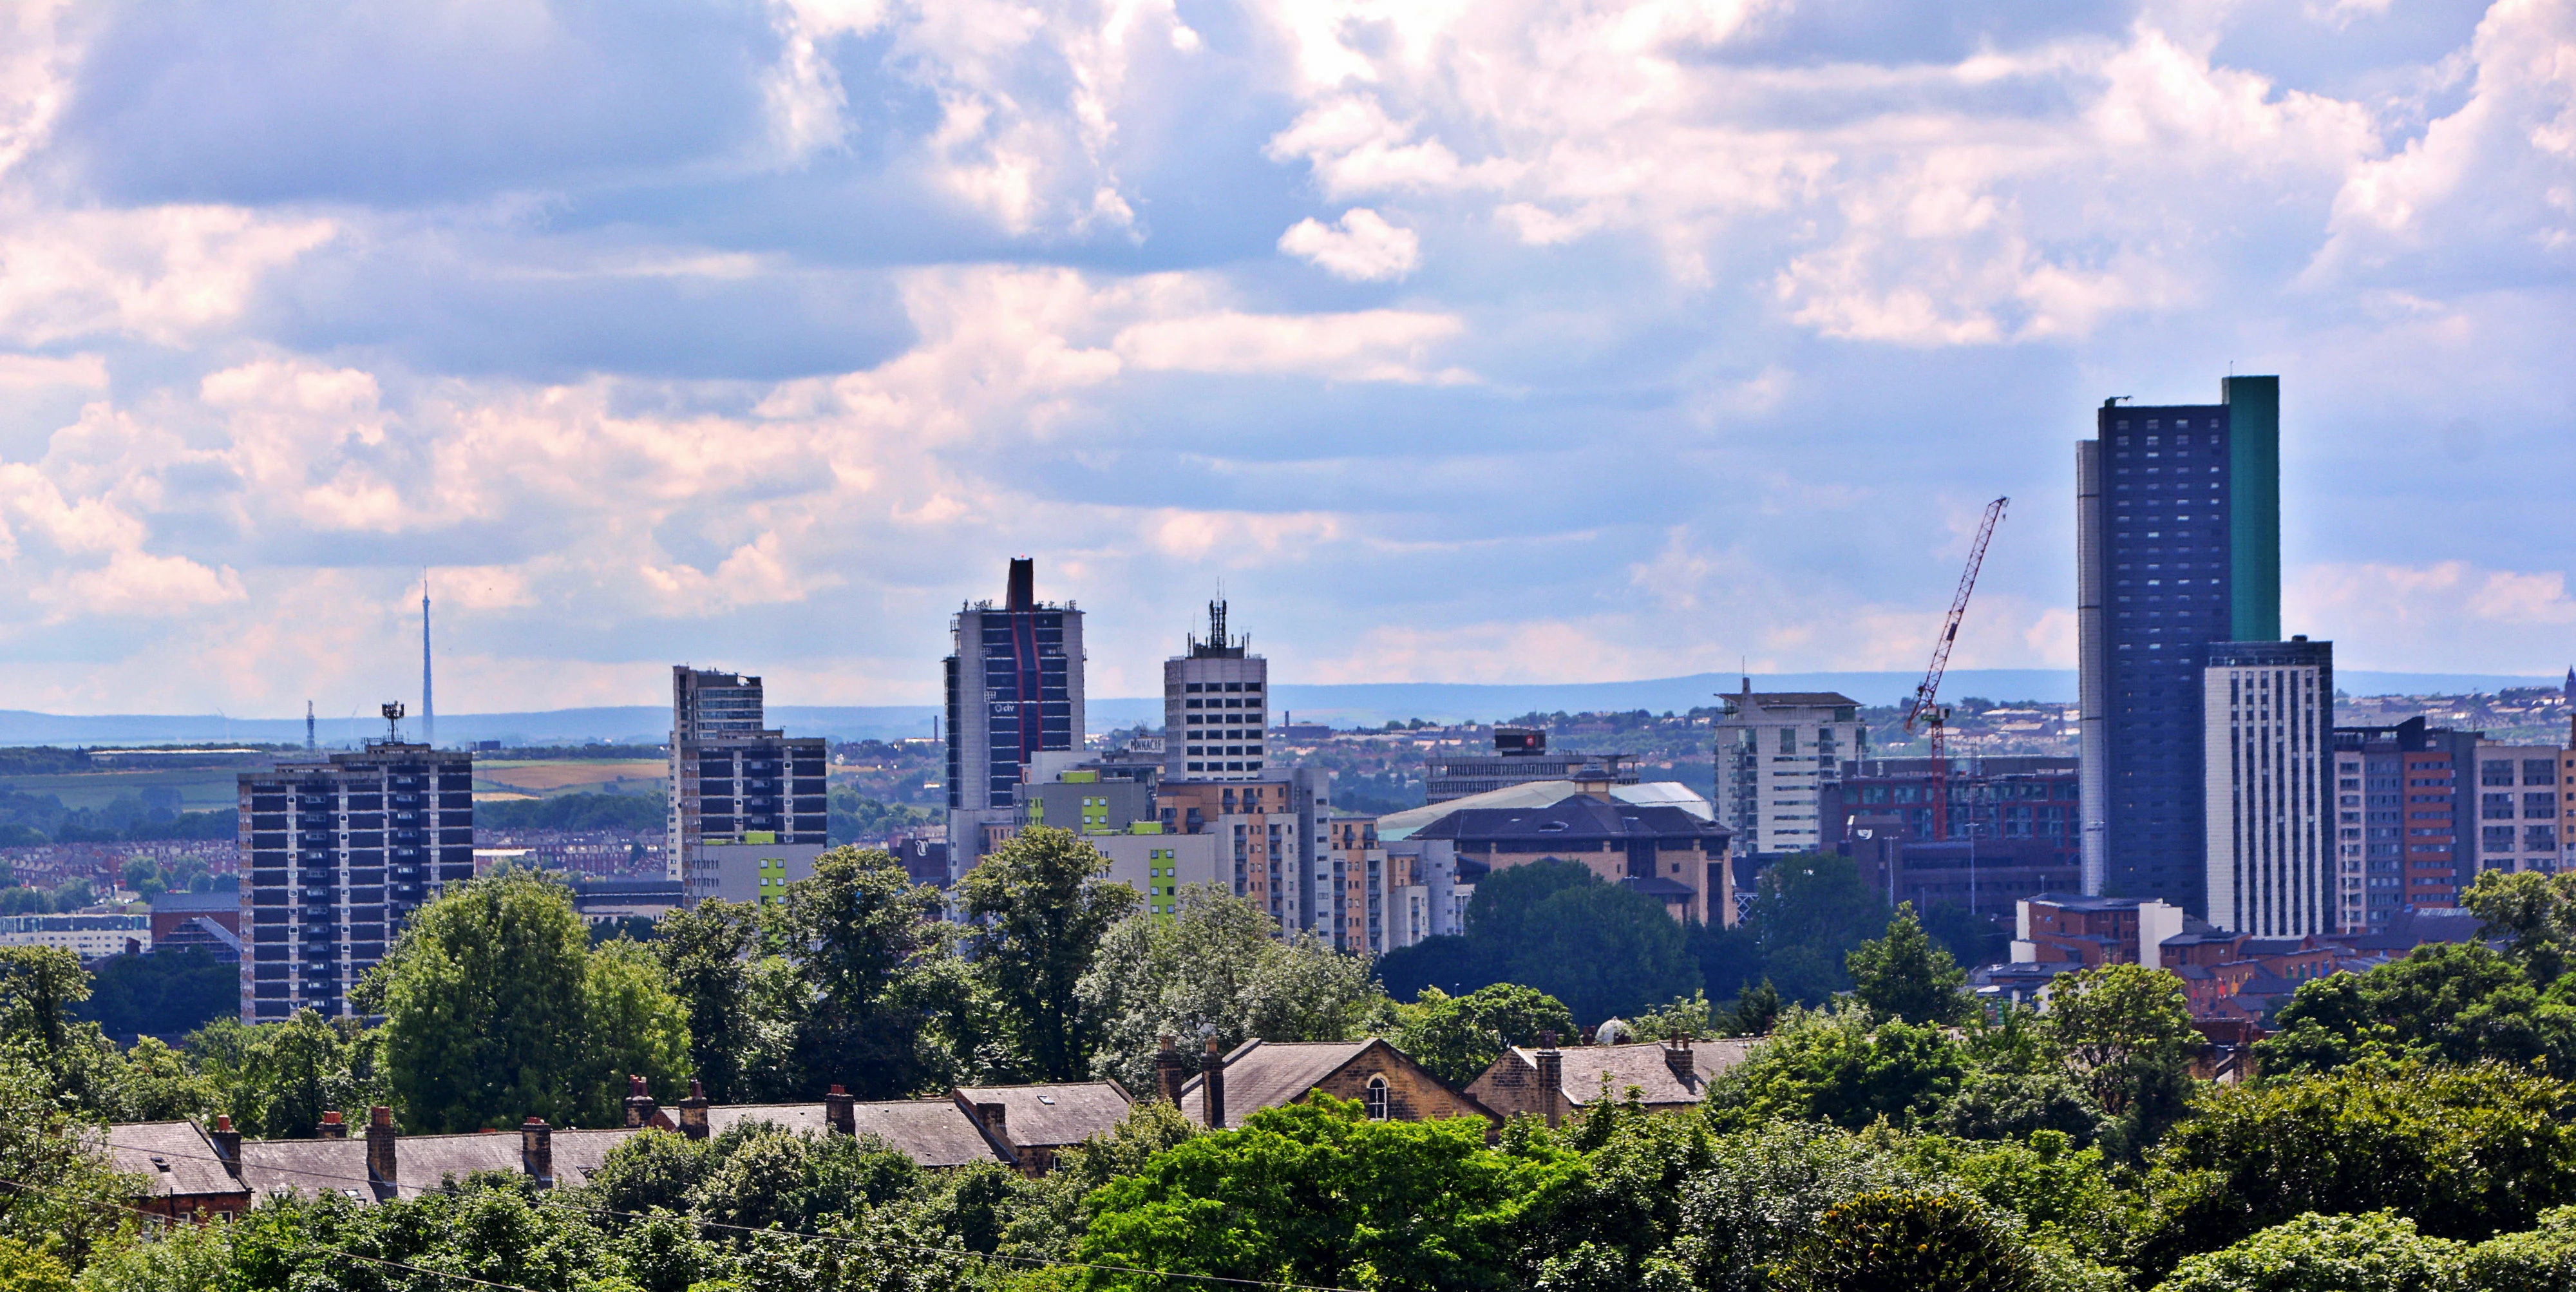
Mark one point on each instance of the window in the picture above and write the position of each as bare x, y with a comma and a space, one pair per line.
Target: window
1375, 1097
2495, 771
2496, 838
2496, 807
2538, 771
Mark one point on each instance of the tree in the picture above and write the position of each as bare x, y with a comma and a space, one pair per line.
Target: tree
1603, 949
2542, 1259
497, 1009
1753, 1011
2126, 1033
2468, 1153
1458, 1037
1610, 1227
1808, 911
170, 992
885, 1007
2456, 1003
1908, 1240
2534, 914
1834, 1066
2376, 1252
2014, 1105
1314, 1192
64, 1195
1214, 970
1767, 1188
1447, 961
740, 1003
1041, 918
277, 1079
1905, 976
38, 988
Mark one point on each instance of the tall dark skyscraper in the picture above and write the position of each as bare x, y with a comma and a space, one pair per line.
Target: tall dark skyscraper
1014, 686
2178, 537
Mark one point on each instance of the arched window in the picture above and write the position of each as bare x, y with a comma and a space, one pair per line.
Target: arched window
1376, 1099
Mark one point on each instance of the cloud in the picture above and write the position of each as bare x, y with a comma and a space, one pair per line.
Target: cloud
2476, 618
1361, 246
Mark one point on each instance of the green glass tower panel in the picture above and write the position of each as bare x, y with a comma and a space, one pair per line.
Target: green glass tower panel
2254, 522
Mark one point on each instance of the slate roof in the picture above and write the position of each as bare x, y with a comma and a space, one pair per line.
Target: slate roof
1265, 1074
795, 1119
1640, 1065
308, 1167
579, 1153
425, 1163
1054, 1116
1538, 794
932, 1132
1574, 819
174, 1158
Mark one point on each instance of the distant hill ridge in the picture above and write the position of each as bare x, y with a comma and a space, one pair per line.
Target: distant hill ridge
1364, 704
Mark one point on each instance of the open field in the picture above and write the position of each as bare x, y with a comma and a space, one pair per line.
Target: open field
541, 777
201, 789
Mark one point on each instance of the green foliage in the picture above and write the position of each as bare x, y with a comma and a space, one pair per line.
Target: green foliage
38, 988
2013, 1105
2457, 1003
1754, 1011
2064, 1196
1906, 976
1689, 1016
1040, 922
2125, 1032
1809, 912
741, 1004
1611, 1225
2376, 1252
856, 818
169, 993
1458, 1037
31, 1269
1214, 970
496, 1009
639, 813
2534, 914
754, 1175
1907, 1240
2467, 1153
2542, 1259
1833, 1066
1766, 1188
1314, 1192
277, 1079
882, 1007
1553, 925
65, 1190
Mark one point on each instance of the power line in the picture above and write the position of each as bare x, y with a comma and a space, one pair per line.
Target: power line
1043, 1261
333, 1251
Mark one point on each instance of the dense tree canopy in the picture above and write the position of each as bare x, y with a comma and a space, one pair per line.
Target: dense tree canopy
1040, 920
1906, 976
1553, 925
1458, 1037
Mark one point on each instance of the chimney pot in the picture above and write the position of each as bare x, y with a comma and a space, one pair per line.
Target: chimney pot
1168, 1077
693, 1111
380, 1148
227, 1143
840, 1111
333, 1127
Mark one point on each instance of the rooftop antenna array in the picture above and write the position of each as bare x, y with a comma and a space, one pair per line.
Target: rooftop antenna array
393, 711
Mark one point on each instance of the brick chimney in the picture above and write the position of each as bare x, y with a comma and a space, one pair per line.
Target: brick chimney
639, 1104
1677, 1056
841, 1111
1168, 1077
1551, 1076
227, 1143
1212, 1085
693, 1111
380, 1147
332, 1127
537, 1151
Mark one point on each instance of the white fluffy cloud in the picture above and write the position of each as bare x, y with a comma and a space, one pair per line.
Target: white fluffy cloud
1604, 337
1361, 246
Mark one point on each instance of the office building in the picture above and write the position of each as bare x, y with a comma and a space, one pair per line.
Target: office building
2273, 870
86, 936
2518, 808
748, 807
2001, 797
1014, 686
1216, 707
2178, 545
1777, 756
1520, 757
1664, 851
337, 855
1269, 833
2397, 814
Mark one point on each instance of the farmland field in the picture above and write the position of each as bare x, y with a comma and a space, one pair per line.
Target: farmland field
541, 777
201, 789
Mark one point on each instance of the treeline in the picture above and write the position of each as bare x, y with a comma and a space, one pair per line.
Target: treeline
639, 813
2413, 1128
27, 819
1605, 950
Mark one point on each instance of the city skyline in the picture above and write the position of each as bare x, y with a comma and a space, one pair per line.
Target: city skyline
767, 335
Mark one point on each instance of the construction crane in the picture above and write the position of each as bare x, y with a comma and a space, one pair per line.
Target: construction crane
1925, 712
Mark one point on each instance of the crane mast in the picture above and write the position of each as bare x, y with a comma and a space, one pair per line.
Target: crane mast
1924, 711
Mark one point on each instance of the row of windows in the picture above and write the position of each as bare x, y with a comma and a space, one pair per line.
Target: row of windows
1249, 688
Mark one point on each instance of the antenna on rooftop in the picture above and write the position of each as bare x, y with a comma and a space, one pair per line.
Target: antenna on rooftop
393, 711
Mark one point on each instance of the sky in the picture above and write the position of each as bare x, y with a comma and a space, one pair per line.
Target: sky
1515, 341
